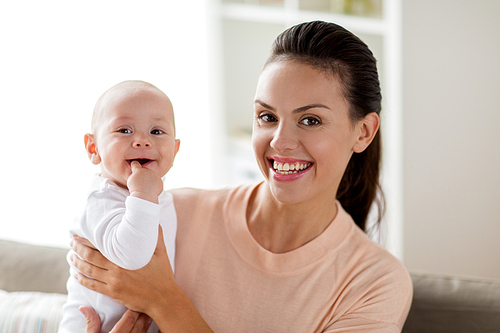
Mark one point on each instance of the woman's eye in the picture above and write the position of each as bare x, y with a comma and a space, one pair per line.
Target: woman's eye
310, 121
157, 132
124, 131
268, 118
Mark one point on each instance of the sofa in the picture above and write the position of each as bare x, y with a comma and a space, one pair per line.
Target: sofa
33, 279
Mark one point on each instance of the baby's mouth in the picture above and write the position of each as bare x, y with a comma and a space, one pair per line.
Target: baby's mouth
142, 161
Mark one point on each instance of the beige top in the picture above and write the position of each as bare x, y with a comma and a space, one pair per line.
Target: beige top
339, 280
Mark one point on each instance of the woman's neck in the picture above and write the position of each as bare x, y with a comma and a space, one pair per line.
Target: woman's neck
281, 228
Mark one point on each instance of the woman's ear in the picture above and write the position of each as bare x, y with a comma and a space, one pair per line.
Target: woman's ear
368, 127
91, 148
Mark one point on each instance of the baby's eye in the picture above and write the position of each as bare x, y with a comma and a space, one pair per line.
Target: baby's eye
124, 131
157, 132
268, 118
310, 121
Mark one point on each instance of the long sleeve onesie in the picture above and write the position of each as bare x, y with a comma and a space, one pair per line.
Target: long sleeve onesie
125, 230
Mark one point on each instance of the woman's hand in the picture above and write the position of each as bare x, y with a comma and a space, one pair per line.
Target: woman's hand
131, 322
151, 290
137, 290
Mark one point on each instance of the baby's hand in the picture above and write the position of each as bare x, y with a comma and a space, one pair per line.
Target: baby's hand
144, 183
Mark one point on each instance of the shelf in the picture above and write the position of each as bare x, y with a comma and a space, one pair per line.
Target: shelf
356, 24
254, 13
288, 17
247, 31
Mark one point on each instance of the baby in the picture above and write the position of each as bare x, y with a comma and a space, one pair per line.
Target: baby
133, 141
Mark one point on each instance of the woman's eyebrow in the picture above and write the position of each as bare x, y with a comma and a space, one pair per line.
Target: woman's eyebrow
310, 106
298, 110
267, 106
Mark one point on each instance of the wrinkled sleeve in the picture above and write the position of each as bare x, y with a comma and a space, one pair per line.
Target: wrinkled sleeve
382, 308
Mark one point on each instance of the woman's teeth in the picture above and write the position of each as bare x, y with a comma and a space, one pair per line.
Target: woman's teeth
289, 168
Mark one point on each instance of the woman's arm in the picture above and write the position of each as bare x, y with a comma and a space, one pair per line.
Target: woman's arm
151, 289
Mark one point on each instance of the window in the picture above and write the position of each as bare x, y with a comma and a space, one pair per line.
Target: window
57, 58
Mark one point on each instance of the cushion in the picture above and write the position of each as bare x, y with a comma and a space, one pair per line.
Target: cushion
26, 267
26, 312
452, 304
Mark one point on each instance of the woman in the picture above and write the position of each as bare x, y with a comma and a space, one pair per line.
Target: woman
288, 254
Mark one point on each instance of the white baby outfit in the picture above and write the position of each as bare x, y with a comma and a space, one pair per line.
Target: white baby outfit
125, 230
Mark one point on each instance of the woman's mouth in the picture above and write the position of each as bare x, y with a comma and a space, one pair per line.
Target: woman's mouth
289, 168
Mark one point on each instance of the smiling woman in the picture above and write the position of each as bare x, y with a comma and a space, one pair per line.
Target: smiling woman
54, 66
302, 117
315, 114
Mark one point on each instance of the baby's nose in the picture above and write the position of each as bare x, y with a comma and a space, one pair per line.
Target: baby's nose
142, 142
138, 144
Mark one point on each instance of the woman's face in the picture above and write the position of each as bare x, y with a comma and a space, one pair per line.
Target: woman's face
302, 137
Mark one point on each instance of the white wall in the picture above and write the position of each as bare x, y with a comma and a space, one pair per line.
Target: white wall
57, 57
452, 136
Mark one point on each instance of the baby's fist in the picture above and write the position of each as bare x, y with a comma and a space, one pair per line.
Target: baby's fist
144, 183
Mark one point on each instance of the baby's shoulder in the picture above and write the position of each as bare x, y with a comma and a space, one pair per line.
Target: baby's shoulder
100, 185
105, 194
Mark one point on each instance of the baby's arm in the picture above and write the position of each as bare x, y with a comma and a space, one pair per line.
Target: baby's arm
125, 228
144, 183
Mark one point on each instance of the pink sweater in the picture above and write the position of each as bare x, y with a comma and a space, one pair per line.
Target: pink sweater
339, 282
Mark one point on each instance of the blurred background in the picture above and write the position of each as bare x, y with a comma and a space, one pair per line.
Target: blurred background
440, 72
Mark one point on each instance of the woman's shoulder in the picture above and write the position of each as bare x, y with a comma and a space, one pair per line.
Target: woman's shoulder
368, 266
363, 251
190, 197
379, 270
373, 257
376, 283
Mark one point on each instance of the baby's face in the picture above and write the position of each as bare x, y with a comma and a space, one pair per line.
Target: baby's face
135, 126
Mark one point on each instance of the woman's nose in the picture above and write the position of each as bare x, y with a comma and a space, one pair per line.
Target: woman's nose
285, 138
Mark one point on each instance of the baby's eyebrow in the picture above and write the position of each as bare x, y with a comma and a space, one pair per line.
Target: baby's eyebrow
121, 119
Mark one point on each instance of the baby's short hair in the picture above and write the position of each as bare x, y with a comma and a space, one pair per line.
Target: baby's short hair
130, 85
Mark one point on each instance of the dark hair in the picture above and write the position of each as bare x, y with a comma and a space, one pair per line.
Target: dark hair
333, 49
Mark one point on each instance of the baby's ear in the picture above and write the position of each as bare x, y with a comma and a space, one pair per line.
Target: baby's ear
91, 148
177, 145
